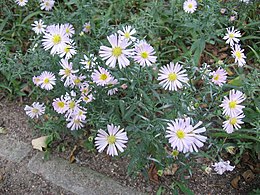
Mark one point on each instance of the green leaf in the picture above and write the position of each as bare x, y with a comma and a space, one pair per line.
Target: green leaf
236, 81
184, 189
30, 16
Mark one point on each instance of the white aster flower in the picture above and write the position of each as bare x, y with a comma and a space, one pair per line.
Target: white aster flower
101, 76
88, 62
36, 80
86, 27
60, 105
231, 36
115, 139
233, 122
190, 6
231, 105
55, 38
239, 56
117, 53
112, 90
47, 80
47, 5
183, 136
68, 51
219, 76
245, 1
21, 2
127, 33
172, 76
67, 72
74, 123
77, 80
38, 27
72, 103
144, 54
87, 98
35, 110
69, 29
222, 167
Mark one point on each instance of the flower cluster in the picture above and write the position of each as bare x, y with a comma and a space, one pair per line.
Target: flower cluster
46, 5
233, 110
232, 38
222, 166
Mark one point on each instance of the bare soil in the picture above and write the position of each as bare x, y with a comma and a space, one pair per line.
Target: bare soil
14, 180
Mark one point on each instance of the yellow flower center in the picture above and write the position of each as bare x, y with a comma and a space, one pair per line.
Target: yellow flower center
103, 77
232, 104
175, 153
67, 49
67, 72
67, 30
35, 110
117, 51
172, 77
233, 121
76, 121
86, 98
77, 81
46, 81
144, 55
56, 39
231, 35
87, 27
180, 134
238, 54
216, 77
111, 139
61, 104
127, 35
190, 5
72, 105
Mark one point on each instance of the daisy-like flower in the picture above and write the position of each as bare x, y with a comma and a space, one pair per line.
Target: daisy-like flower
239, 56
77, 80
231, 105
86, 27
60, 105
21, 2
87, 98
35, 110
144, 54
75, 123
47, 4
245, 1
127, 33
222, 167
111, 84
38, 27
72, 103
55, 38
67, 72
190, 6
117, 53
69, 29
219, 76
101, 76
68, 51
115, 139
88, 62
172, 76
47, 80
231, 36
233, 122
36, 80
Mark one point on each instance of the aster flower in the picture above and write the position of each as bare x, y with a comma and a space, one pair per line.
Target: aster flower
222, 167
87, 98
117, 53
144, 54
73, 104
172, 76
101, 76
47, 80
232, 35
67, 72
115, 139
77, 80
219, 76
86, 27
84, 88
21, 2
35, 110
55, 38
190, 6
47, 4
183, 136
74, 123
60, 105
239, 56
231, 105
111, 84
127, 33
69, 29
88, 62
233, 122
36, 80
68, 51
38, 27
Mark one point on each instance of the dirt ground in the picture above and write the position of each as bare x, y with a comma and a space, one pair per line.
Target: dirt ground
14, 180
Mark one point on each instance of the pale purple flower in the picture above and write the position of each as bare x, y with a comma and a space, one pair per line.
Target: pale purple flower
219, 77
38, 27
233, 122
238, 54
47, 80
222, 167
35, 110
101, 76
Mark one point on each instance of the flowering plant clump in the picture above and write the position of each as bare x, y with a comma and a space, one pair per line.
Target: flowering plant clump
141, 85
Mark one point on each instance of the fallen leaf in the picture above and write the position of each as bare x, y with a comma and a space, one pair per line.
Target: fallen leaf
171, 169
3, 130
248, 175
40, 143
72, 158
152, 173
235, 181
